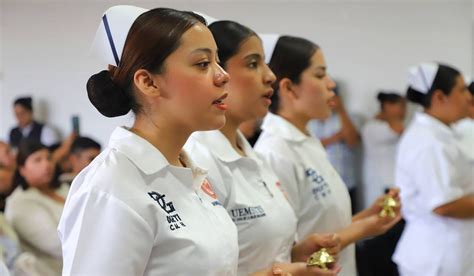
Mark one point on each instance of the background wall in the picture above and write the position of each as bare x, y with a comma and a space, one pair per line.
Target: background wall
368, 45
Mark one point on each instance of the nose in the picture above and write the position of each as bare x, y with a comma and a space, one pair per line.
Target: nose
331, 84
220, 76
269, 76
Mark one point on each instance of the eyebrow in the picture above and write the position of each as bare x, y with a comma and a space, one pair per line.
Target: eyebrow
205, 50
253, 55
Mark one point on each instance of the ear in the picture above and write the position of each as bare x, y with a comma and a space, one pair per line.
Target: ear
146, 83
438, 97
286, 88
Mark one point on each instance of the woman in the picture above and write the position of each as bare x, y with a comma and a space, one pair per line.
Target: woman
242, 181
142, 207
35, 207
317, 193
380, 137
435, 178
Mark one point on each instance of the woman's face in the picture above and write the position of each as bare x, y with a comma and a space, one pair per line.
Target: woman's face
38, 169
458, 101
395, 109
192, 85
250, 86
315, 89
23, 116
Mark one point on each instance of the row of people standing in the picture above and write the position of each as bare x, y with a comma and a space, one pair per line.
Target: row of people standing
251, 213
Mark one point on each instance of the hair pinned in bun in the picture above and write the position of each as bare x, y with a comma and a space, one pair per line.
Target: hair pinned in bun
109, 99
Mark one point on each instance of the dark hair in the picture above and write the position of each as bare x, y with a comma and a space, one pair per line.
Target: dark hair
229, 36
27, 148
388, 97
83, 143
153, 36
291, 56
471, 87
445, 80
25, 102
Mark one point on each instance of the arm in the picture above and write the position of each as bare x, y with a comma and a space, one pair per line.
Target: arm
372, 225
296, 269
35, 225
462, 208
336, 137
99, 236
64, 149
349, 133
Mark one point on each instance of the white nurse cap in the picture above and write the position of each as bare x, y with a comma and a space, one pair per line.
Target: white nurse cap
269, 42
112, 32
421, 77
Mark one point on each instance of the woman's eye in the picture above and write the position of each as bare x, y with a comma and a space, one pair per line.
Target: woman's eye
253, 64
320, 76
203, 65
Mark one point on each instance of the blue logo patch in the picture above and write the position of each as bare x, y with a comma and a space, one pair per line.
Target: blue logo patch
320, 187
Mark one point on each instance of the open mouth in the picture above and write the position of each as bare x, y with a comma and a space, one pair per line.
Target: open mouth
220, 100
269, 94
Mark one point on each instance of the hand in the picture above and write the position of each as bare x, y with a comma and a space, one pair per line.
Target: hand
301, 269
375, 225
377, 206
314, 242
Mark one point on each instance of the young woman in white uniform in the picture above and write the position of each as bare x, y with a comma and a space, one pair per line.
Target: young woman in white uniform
317, 193
142, 207
242, 181
435, 178
380, 137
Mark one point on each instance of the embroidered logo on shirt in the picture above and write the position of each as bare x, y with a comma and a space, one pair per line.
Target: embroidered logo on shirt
207, 188
247, 213
166, 206
174, 220
321, 188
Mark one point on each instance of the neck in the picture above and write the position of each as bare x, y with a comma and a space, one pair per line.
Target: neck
298, 120
438, 115
169, 139
230, 132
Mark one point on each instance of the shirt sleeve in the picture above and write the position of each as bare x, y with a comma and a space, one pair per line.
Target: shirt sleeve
35, 225
439, 177
101, 235
49, 136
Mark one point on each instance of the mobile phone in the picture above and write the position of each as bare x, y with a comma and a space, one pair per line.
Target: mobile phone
75, 124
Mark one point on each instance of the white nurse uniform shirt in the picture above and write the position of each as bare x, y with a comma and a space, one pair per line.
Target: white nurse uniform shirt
316, 191
250, 192
431, 171
132, 213
380, 150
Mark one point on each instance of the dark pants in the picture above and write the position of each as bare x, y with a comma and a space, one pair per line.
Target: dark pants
374, 256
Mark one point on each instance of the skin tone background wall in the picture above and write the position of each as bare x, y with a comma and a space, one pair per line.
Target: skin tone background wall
368, 44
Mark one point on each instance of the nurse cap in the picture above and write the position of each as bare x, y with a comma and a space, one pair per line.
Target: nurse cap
269, 42
421, 77
113, 31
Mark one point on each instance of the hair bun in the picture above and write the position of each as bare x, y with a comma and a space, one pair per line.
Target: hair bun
107, 97
381, 96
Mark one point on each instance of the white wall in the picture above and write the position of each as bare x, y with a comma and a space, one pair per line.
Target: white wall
368, 45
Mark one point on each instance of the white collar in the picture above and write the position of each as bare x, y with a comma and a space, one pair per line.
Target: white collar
144, 155
222, 148
278, 126
435, 124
